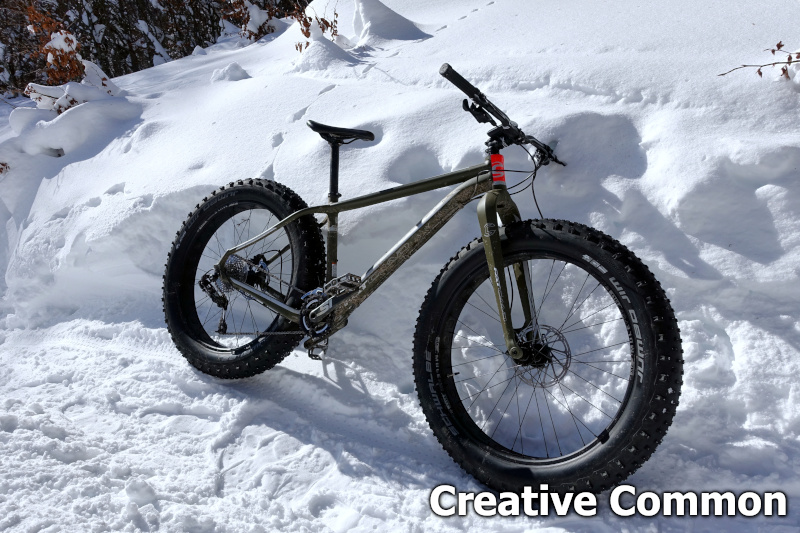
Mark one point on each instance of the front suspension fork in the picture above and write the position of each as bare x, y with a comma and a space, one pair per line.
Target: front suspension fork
498, 202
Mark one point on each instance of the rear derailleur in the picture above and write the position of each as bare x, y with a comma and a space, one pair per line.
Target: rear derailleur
253, 272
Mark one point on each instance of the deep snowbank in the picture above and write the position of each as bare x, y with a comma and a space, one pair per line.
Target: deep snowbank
102, 425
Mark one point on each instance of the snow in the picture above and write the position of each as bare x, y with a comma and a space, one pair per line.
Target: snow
374, 22
103, 426
233, 72
61, 41
94, 86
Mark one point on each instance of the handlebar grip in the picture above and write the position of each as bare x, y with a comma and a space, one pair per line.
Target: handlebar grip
458, 80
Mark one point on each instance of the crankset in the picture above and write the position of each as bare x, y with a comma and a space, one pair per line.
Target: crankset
316, 312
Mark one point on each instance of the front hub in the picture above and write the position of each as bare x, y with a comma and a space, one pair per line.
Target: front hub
545, 358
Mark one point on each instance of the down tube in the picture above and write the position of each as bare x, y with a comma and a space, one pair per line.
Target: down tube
412, 241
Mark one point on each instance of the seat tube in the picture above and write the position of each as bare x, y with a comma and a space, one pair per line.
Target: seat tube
332, 227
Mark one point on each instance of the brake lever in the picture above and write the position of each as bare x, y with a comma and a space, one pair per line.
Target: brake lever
547, 153
554, 159
549, 156
478, 112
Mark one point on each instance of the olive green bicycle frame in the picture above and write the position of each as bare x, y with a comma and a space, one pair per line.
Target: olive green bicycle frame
474, 181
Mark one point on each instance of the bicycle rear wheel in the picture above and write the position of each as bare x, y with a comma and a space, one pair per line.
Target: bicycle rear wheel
220, 330
601, 378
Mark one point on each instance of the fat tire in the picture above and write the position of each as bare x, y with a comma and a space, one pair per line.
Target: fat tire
649, 411
308, 254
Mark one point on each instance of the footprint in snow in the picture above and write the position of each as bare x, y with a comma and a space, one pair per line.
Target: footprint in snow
268, 174
116, 189
294, 117
142, 133
61, 214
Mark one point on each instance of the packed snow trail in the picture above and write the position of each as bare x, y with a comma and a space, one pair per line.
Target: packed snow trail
103, 426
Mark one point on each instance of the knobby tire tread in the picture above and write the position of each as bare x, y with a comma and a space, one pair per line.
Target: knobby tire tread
662, 403
312, 265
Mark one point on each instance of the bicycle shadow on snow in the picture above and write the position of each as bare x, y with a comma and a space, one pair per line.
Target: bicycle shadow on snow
363, 435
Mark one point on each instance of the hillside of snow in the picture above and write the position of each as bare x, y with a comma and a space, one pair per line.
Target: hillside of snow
105, 427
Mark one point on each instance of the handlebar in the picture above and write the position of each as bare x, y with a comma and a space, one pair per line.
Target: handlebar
512, 132
450, 74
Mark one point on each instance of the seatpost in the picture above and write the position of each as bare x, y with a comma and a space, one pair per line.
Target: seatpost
332, 228
333, 194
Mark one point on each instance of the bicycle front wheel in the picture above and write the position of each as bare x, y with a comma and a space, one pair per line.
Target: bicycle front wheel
601, 374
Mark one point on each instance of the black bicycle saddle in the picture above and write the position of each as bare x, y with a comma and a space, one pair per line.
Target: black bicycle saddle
340, 135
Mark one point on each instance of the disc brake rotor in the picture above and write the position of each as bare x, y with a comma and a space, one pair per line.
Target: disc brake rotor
558, 361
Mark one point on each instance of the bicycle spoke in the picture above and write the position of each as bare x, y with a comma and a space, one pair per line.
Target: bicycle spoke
220, 249
472, 377
491, 346
577, 294
497, 402
475, 360
252, 318
598, 349
578, 419
544, 297
598, 388
541, 424
484, 312
212, 316
479, 335
514, 395
588, 316
558, 443
601, 370
608, 361
579, 305
521, 420
587, 401
483, 390
564, 331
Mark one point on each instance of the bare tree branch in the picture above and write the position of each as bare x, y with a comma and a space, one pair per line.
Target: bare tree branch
758, 66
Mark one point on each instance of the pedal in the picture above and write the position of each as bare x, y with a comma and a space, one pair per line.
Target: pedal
342, 284
317, 351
